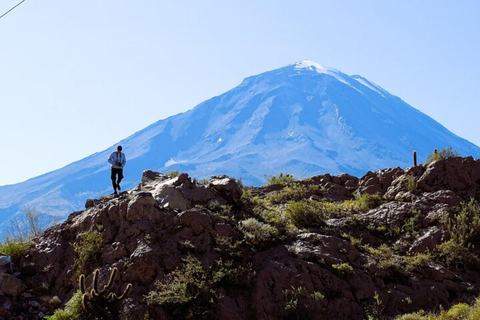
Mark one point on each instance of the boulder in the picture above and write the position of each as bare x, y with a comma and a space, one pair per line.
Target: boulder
169, 197
378, 182
141, 207
226, 187
10, 285
198, 221
428, 241
148, 176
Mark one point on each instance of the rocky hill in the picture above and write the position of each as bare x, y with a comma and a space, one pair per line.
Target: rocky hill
329, 247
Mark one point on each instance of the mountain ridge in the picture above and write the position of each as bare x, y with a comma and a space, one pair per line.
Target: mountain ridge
302, 119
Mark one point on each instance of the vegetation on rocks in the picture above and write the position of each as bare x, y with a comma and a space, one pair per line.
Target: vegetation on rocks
87, 250
443, 154
73, 309
394, 243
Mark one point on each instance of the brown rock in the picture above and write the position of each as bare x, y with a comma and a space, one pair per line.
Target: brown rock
169, 197
226, 187
389, 213
10, 285
196, 220
143, 205
378, 182
148, 176
428, 241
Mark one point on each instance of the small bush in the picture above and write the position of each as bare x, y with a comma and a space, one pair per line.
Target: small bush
191, 292
454, 254
416, 261
295, 191
306, 213
73, 309
87, 251
297, 300
442, 154
412, 316
466, 224
411, 183
458, 311
412, 224
354, 241
344, 268
182, 287
375, 308
463, 228
173, 174
281, 179
29, 225
385, 258
257, 232
15, 249
367, 202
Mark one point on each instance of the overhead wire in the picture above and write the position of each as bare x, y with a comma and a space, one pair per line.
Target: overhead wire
3, 15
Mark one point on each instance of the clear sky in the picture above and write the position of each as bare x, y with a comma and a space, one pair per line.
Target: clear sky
78, 76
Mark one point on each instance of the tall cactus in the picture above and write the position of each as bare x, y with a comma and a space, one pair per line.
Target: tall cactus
414, 158
100, 301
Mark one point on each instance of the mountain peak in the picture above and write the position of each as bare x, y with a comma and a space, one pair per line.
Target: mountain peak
312, 66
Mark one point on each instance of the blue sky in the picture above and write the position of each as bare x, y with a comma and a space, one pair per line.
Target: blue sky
78, 76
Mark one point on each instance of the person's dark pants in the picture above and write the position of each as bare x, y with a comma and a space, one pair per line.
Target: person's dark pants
117, 175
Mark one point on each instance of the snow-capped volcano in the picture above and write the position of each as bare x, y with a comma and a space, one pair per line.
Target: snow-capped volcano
302, 119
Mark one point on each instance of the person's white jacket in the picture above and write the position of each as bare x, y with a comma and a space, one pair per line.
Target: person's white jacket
117, 157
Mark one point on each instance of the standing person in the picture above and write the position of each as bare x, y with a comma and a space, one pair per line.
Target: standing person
117, 160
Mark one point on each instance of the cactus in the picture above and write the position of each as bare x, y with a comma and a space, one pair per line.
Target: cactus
99, 301
414, 158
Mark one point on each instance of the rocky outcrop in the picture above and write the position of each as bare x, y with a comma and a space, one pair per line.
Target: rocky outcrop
357, 263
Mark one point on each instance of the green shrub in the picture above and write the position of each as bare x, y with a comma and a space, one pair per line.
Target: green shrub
456, 312
15, 249
463, 228
306, 213
257, 232
182, 286
229, 273
375, 308
295, 294
73, 309
281, 179
354, 241
367, 202
410, 183
87, 251
412, 226
343, 268
412, 316
189, 292
416, 261
459, 311
466, 224
173, 174
295, 191
442, 154
454, 254
314, 213
385, 258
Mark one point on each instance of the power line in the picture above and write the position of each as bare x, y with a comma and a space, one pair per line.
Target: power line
3, 15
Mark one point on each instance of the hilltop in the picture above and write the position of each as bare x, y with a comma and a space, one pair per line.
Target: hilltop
328, 247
